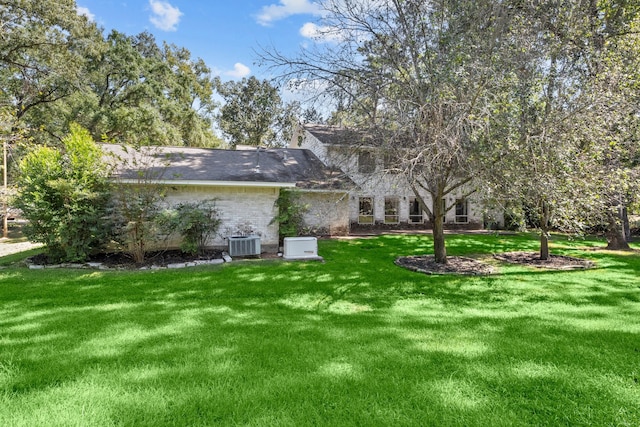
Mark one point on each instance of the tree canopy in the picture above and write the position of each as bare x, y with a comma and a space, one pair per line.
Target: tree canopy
254, 113
56, 67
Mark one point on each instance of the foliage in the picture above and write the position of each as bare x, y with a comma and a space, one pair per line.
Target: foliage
64, 194
147, 94
349, 342
136, 200
57, 67
44, 51
254, 113
195, 222
562, 110
290, 217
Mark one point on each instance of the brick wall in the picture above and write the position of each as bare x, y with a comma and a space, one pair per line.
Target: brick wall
328, 213
239, 207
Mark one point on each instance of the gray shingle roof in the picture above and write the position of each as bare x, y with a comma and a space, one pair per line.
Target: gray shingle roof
336, 135
186, 165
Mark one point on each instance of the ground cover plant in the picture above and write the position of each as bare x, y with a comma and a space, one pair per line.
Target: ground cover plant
356, 340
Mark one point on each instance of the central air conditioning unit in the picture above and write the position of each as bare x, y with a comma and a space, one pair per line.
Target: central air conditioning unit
244, 245
300, 248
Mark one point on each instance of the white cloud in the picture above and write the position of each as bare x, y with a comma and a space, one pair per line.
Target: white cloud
239, 71
81, 10
321, 33
164, 16
286, 8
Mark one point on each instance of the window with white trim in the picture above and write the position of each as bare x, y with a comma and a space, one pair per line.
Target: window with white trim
391, 209
366, 162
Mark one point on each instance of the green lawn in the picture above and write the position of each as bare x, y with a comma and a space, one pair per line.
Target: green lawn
352, 341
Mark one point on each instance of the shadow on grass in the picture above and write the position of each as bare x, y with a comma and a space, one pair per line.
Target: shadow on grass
353, 341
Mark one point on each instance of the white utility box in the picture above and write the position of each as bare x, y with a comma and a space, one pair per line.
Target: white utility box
300, 248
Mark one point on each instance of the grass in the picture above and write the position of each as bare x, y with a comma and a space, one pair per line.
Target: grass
352, 341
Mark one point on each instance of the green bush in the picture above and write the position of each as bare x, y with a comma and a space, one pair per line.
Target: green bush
195, 222
63, 193
290, 217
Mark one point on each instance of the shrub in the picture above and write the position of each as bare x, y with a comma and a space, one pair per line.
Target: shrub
136, 206
63, 193
290, 217
195, 222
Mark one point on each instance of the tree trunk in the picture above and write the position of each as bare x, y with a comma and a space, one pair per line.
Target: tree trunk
439, 248
625, 223
544, 245
616, 240
545, 221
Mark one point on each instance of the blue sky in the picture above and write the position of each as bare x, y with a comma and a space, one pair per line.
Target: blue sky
224, 33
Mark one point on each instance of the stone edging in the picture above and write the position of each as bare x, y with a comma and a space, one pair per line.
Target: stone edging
101, 266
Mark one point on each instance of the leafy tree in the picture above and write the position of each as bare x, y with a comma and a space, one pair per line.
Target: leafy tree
64, 195
562, 112
612, 123
43, 52
56, 67
254, 113
142, 93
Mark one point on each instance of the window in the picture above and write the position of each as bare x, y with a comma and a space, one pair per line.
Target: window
415, 213
391, 210
365, 209
462, 208
390, 163
366, 162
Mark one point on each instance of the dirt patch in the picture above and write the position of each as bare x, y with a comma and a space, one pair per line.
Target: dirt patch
555, 262
455, 265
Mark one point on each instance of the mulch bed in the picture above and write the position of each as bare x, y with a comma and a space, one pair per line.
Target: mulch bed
124, 261
555, 262
455, 264
463, 265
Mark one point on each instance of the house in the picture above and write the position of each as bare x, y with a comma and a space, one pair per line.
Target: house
380, 197
245, 185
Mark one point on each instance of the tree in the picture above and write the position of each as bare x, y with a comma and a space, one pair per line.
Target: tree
612, 123
416, 76
56, 67
561, 113
43, 51
64, 194
136, 199
145, 94
254, 113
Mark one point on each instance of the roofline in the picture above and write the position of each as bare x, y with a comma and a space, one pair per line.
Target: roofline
322, 190
213, 183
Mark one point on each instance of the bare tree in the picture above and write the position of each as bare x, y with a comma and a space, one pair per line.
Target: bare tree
416, 76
